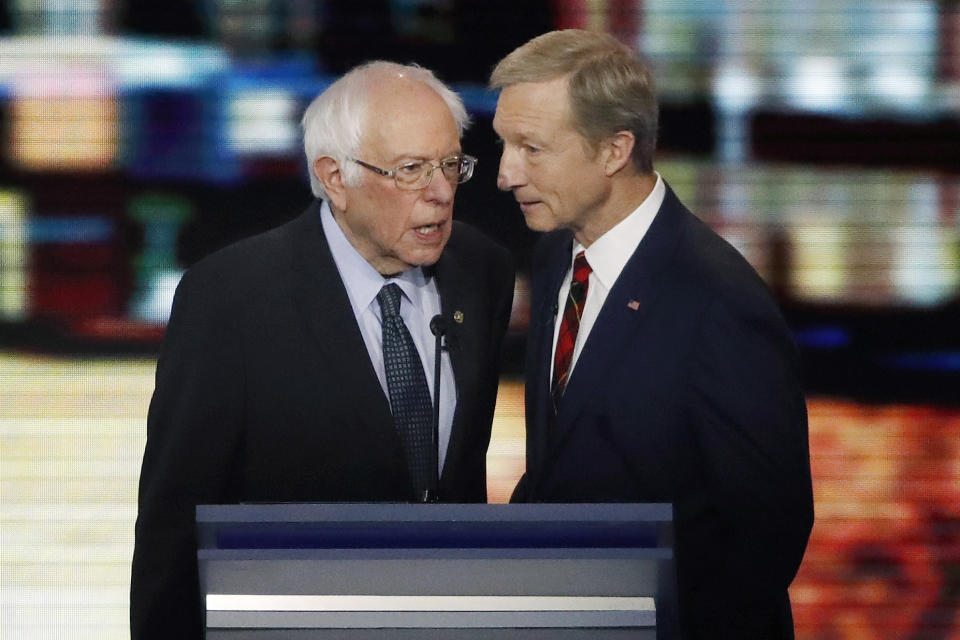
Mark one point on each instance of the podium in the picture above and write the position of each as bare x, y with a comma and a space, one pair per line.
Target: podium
437, 571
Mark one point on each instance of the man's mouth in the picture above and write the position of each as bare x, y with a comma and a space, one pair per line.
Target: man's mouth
430, 233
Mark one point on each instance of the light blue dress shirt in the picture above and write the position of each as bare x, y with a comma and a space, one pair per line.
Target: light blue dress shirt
420, 303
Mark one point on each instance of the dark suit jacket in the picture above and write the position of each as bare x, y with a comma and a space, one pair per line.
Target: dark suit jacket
265, 393
693, 399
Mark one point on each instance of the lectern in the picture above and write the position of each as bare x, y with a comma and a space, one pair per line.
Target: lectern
432, 571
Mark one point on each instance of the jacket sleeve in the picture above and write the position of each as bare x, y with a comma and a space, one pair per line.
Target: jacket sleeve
193, 433
750, 421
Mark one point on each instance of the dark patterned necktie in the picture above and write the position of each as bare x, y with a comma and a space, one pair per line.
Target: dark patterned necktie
409, 394
569, 327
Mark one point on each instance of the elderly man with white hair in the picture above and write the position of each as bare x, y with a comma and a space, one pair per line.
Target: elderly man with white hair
299, 365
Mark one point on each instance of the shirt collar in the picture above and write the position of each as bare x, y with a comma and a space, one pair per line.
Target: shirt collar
609, 253
361, 280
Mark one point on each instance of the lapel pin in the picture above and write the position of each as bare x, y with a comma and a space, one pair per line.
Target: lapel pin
458, 316
634, 305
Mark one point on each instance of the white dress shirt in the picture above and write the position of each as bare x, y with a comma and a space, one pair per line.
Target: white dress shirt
420, 303
607, 256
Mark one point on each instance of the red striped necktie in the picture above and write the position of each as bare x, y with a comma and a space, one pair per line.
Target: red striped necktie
569, 326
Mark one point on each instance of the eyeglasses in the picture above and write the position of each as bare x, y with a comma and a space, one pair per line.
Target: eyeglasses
413, 176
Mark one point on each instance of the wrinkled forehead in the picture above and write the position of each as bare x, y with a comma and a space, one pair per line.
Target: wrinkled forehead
408, 118
528, 107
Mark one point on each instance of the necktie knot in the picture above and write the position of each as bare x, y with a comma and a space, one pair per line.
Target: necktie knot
389, 299
581, 269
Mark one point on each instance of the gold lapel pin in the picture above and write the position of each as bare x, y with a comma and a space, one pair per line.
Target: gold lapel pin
458, 316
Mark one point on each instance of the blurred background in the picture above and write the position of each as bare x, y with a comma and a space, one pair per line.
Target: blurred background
821, 138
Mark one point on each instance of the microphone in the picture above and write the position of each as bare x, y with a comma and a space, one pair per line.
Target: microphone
438, 327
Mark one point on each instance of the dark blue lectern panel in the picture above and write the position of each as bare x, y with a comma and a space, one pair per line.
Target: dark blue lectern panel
384, 571
361, 526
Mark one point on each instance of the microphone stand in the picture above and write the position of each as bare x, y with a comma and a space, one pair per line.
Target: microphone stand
438, 326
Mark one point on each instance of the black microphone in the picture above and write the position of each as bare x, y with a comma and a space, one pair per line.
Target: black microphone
438, 327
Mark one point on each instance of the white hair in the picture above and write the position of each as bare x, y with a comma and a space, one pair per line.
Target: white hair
334, 121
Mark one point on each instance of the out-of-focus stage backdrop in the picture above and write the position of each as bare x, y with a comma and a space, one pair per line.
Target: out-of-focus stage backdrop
821, 138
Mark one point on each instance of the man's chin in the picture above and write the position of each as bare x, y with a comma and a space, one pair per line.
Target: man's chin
539, 223
422, 258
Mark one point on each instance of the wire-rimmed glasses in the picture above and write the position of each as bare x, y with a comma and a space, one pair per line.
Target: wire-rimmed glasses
416, 175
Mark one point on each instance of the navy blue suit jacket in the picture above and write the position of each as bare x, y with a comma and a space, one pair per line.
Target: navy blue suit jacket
687, 392
265, 393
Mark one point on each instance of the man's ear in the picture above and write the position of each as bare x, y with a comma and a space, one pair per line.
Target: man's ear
618, 150
328, 173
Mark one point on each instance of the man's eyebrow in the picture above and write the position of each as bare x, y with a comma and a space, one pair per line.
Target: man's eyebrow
404, 158
412, 157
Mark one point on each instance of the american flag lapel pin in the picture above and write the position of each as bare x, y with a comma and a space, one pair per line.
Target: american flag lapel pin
633, 305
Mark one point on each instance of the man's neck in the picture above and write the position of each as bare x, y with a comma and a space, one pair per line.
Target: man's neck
626, 194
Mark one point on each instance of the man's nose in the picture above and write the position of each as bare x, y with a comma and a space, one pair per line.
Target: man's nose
439, 190
510, 174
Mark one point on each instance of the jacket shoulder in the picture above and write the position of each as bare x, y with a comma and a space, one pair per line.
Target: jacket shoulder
475, 250
470, 240
245, 258
721, 271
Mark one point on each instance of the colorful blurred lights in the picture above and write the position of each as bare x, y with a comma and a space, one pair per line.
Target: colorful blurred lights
264, 122
13, 255
64, 119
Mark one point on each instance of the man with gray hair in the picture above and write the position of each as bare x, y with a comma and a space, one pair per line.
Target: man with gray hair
298, 365
659, 368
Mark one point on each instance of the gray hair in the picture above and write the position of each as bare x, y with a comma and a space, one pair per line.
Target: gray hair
333, 123
610, 89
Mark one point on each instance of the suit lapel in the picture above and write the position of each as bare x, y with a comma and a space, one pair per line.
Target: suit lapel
621, 318
462, 340
322, 301
544, 316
